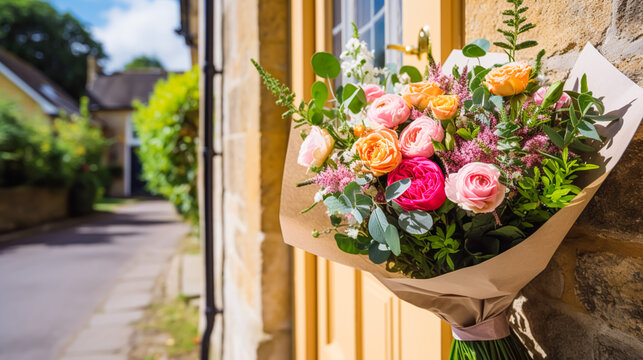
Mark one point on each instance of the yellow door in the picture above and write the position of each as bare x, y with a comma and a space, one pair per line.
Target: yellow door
342, 313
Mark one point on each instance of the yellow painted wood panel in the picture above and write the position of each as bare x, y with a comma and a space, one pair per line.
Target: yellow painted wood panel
342, 313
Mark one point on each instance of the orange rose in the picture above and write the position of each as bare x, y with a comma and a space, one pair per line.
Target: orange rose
419, 94
380, 149
444, 107
510, 79
358, 130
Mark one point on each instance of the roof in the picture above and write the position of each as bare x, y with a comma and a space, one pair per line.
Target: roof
117, 91
51, 97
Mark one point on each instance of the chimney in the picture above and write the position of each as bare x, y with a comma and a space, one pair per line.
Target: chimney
93, 70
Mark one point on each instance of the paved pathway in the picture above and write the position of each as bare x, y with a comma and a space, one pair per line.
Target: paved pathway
51, 284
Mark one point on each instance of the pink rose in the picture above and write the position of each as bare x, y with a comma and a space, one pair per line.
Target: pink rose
415, 139
373, 92
476, 188
427, 184
315, 148
388, 111
539, 96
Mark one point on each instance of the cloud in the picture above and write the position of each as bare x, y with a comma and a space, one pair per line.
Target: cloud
143, 27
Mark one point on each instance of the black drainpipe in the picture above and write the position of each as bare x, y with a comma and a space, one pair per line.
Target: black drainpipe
208, 152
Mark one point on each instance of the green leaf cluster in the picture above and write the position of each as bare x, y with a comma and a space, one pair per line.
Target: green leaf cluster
585, 111
168, 128
34, 151
515, 21
544, 192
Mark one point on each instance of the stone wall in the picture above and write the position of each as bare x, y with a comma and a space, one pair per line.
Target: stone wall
26, 206
588, 303
257, 279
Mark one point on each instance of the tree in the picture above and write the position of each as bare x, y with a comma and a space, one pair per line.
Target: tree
56, 44
168, 127
144, 62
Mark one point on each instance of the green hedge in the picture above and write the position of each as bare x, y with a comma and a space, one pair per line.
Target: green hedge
168, 129
66, 152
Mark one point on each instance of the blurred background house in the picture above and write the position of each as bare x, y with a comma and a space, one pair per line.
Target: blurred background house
111, 102
31, 89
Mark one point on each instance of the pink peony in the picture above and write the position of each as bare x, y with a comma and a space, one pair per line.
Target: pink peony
315, 148
427, 184
388, 111
415, 139
373, 92
476, 188
539, 96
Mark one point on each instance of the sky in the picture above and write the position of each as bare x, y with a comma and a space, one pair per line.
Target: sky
129, 28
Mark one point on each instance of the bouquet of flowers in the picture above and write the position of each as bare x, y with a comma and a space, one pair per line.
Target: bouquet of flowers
453, 188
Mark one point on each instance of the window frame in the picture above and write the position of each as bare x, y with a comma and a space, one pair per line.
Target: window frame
392, 12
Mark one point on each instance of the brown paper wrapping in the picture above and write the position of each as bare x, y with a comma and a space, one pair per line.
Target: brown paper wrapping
477, 293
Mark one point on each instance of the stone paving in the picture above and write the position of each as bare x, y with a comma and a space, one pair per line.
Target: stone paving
75, 290
108, 332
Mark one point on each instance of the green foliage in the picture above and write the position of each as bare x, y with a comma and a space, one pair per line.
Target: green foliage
544, 192
34, 152
82, 140
29, 152
168, 129
516, 25
144, 62
56, 44
325, 65
476, 48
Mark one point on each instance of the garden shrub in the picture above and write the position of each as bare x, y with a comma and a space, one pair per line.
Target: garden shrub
168, 129
67, 152
84, 147
29, 152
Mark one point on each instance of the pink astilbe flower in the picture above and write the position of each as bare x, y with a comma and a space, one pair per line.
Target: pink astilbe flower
461, 88
334, 180
415, 113
481, 149
533, 145
444, 81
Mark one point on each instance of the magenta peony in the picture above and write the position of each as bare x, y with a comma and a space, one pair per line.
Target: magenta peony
388, 111
427, 184
415, 139
373, 92
476, 187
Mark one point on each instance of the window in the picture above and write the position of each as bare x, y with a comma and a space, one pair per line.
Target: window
378, 22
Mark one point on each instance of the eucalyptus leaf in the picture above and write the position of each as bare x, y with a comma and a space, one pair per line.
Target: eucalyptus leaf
416, 222
348, 91
335, 204
413, 73
392, 238
378, 253
346, 243
325, 65
377, 225
396, 189
357, 101
351, 189
320, 94
476, 48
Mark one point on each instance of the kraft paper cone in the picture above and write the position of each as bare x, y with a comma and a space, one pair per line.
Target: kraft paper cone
477, 293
